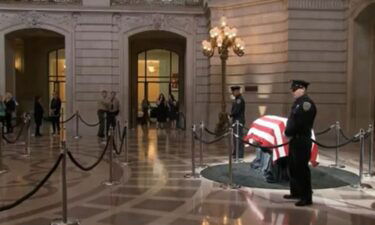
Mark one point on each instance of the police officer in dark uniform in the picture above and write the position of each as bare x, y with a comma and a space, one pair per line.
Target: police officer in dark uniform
298, 129
238, 114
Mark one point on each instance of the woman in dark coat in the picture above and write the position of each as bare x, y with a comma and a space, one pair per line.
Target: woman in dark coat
55, 108
38, 115
10, 105
162, 111
173, 110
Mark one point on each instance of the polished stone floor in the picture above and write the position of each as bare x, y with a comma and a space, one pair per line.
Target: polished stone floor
152, 189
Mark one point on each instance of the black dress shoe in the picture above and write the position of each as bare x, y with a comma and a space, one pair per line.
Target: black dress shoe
291, 197
303, 202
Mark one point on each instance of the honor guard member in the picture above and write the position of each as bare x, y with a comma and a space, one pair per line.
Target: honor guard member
298, 129
238, 114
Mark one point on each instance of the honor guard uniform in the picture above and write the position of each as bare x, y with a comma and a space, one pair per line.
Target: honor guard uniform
298, 129
238, 114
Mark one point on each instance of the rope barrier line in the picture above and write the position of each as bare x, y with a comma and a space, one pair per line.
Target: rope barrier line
123, 135
69, 119
36, 188
18, 135
214, 133
343, 135
88, 168
259, 146
196, 136
89, 124
324, 131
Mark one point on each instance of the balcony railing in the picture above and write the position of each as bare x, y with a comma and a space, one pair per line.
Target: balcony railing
44, 2
172, 3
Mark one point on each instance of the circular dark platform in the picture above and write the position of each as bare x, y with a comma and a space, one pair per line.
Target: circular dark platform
321, 177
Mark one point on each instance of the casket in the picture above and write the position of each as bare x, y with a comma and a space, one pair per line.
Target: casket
269, 130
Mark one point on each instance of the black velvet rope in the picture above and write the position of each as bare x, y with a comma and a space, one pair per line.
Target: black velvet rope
89, 124
259, 146
354, 139
214, 133
88, 168
70, 118
343, 135
210, 142
35, 189
323, 131
18, 135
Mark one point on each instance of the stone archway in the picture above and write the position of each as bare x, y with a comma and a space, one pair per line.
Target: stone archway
181, 25
59, 23
35, 56
361, 80
168, 51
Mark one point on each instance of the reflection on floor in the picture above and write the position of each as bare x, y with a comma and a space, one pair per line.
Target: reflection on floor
153, 191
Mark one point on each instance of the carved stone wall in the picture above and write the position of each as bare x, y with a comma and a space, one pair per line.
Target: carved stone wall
36, 19
317, 4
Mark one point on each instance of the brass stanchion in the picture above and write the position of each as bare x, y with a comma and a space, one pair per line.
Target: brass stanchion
360, 184
126, 151
77, 126
337, 165
27, 121
237, 136
231, 149
201, 146
104, 141
2, 169
111, 180
371, 149
64, 220
193, 173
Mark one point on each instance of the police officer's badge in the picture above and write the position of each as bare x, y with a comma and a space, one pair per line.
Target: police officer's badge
238, 101
306, 106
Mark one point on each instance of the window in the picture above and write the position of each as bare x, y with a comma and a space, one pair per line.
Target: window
158, 72
56, 74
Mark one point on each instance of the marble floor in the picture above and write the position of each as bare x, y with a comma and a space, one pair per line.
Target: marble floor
152, 189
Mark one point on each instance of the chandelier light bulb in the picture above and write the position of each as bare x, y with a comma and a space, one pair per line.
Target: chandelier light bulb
227, 31
237, 42
234, 32
214, 32
223, 21
205, 44
219, 41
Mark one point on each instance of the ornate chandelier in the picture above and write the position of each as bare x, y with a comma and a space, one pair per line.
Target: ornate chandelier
224, 38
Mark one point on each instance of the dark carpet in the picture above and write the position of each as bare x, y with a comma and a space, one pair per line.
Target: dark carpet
321, 177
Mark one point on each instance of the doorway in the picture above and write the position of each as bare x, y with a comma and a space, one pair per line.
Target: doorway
156, 66
35, 66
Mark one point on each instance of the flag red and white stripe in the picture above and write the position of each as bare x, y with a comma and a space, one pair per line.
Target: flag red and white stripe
269, 131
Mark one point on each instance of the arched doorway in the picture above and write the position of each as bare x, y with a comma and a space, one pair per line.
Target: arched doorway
156, 66
35, 66
362, 80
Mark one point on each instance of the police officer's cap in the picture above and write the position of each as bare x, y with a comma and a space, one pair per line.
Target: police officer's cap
299, 84
233, 88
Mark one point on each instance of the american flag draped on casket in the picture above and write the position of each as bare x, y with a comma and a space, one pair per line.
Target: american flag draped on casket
269, 131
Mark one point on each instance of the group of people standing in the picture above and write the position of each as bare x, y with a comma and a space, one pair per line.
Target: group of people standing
165, 110
108, 109
7, 109
55, 113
